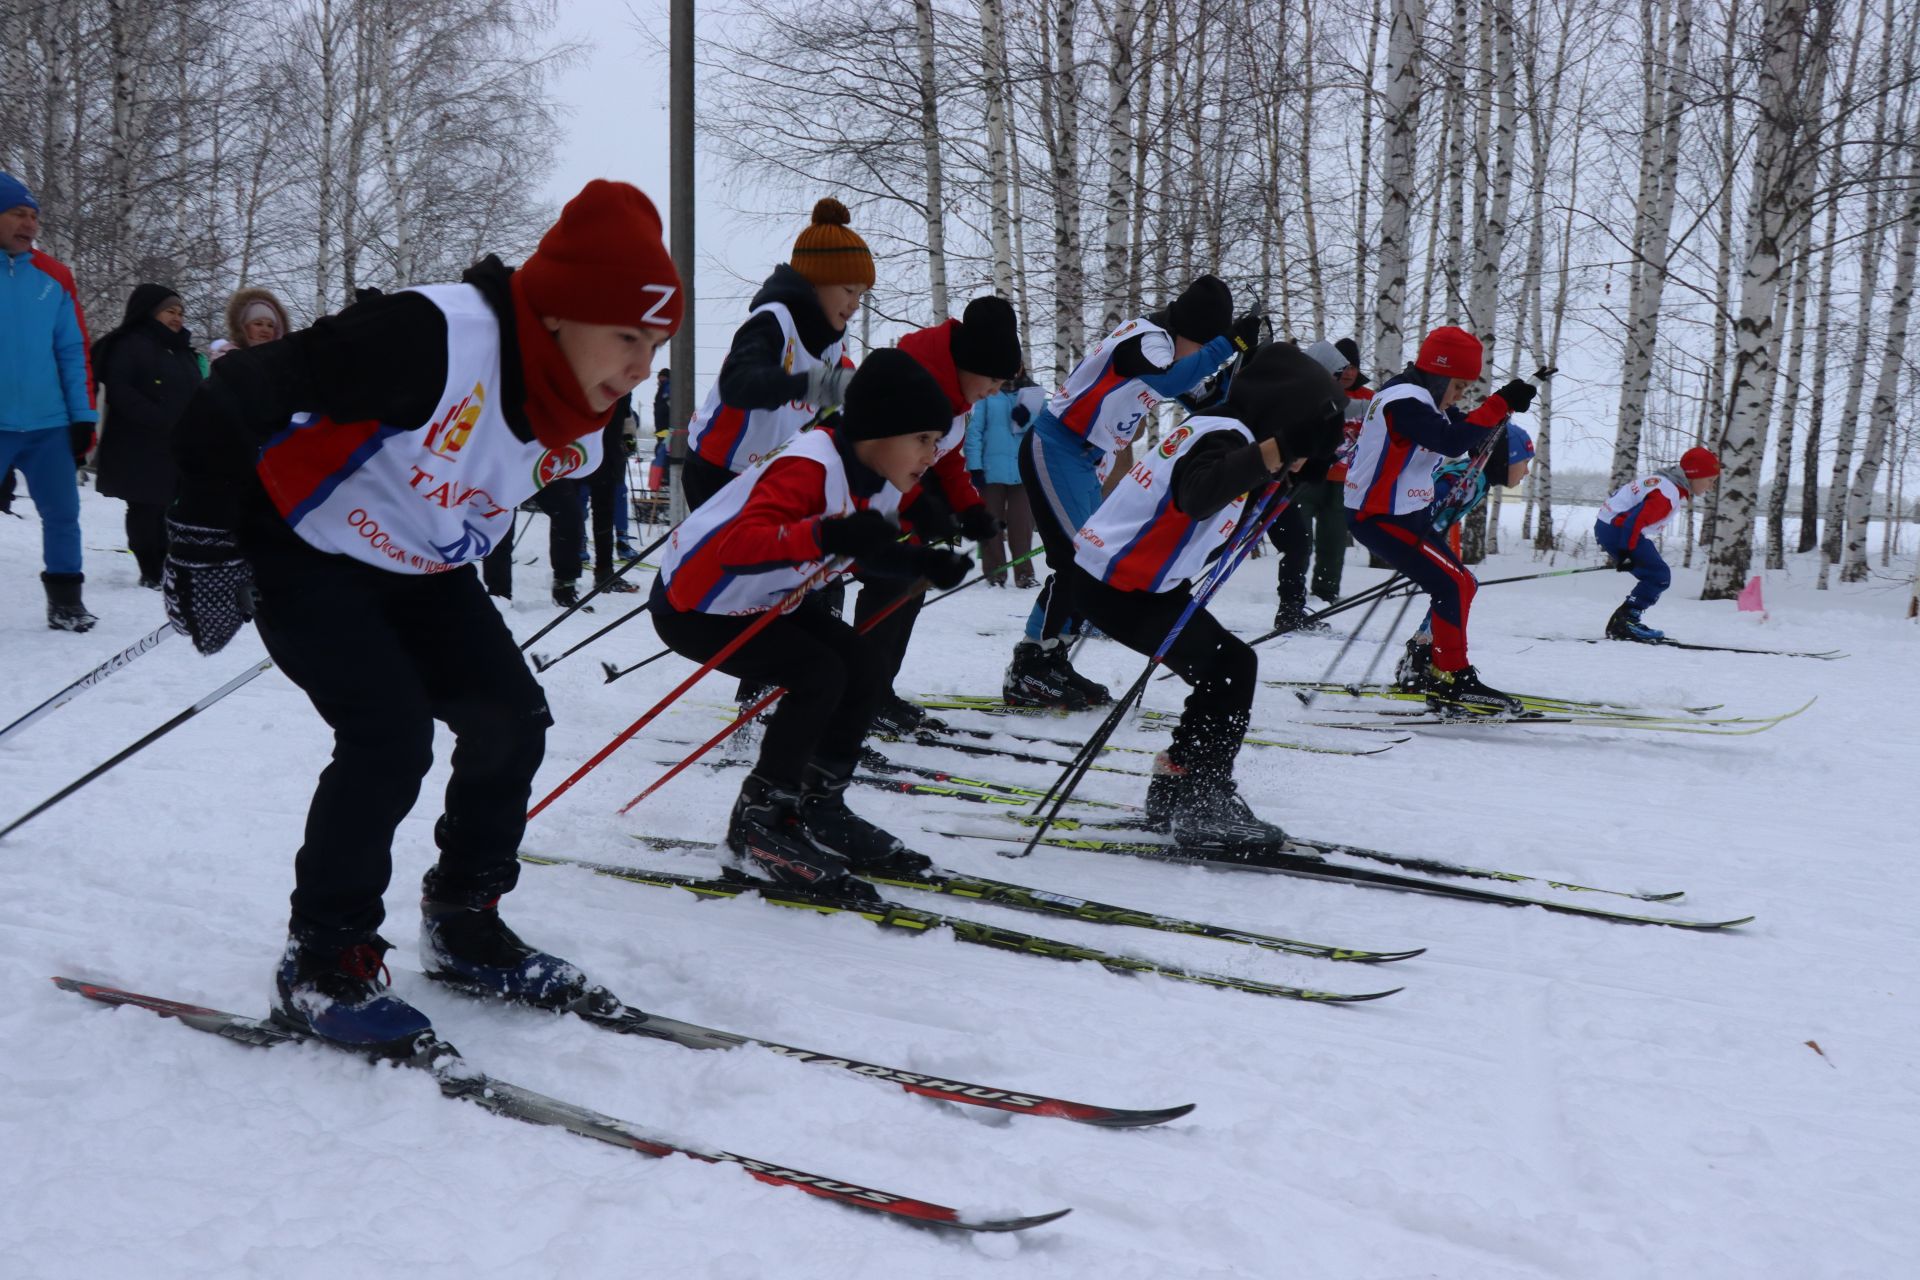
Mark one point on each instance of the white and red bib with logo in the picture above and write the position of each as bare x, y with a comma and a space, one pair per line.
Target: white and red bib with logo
1103, 406
1138, 540
417, 500
737, 438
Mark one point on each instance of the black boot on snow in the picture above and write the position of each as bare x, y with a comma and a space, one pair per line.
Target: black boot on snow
769, 840
1034, 680
1096, 694
65, 612
831, 825
337, 992
1164, 789
469, 947
1209, 812
1410, 673
898, 718
1625, 624
1292, 616
566, 592
1460, 693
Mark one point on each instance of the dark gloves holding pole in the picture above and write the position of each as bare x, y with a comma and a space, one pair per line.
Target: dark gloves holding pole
207, 584
857, 535
979, 524
1518, 395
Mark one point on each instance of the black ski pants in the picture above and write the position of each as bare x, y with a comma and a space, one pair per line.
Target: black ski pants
831, 674
891, 635
1221, 667
382, 656
147, 537
1292, 537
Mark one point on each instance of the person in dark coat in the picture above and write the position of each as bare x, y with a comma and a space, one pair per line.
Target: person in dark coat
149, 371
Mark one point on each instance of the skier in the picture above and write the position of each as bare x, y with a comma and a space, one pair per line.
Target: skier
351, 473
1303, 533
1636, 510
1459, 487
1410, 426
1127, 374
969, 358
788, 361
787, 523
1167, 518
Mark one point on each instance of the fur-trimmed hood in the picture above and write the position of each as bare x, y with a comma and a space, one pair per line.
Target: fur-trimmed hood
239, 302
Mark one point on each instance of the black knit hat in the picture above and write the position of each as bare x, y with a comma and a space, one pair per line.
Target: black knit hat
987, 339
1203, 312
892, 395
1351, 350
1284, 395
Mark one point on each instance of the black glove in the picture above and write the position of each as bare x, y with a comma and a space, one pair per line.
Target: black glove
207, 584
979, 524
1246, 332
1022, 415
1518, 395
1621, 562
80, 440
979, 479
930, 517
859, 534
944, 569
1312, 471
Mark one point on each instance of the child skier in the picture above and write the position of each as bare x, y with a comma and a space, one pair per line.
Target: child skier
1459, 487
1166, 519
788, 361
1410, 425
790, 521
969, 358
1126, 375
346, 478
1636, 510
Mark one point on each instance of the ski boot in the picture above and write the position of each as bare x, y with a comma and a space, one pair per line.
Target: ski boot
338, 993
826, 820
1625, 624
611, 585
1461, 694
899, 718
1163, 791
65, 612
1410, 673
566, 592
1033, 679
1294, 617
769, 840
1096, 694
1208, 812
469, 948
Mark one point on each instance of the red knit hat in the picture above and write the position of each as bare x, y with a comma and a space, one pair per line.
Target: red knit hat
1697, 463
1451, 351
604, 262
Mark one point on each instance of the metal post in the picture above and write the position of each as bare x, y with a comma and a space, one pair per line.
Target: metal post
680, 216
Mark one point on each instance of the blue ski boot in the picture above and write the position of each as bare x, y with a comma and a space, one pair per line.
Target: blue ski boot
1625, 624
468, 947
338, 993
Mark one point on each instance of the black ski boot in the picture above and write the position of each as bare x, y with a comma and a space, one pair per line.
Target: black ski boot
1410, 673
566, 592
770, 841
1460, 693
1163, 791
1033, 679
65, 612
1625, 624
833, 827
898, 718
468, 947
337, 992
1209, 812
1293, 616
1096, 694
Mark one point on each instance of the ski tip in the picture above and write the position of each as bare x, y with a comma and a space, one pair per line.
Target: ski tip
1121, 1118
1362, 998
1378, 957
540, 661
1007, 1224
612, 672
1711, 925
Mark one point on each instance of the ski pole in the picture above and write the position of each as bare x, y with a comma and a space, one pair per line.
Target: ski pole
542, 662
598, 587
1307, 697
1406, 602
1551, 573
192, 711
1278, 497
752, 629
1353, 601
614, 673
88, 680
766, 700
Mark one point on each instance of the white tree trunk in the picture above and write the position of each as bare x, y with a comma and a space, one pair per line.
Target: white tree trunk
1402, 118
1119, 140
994, 61
930, 144
1362, 237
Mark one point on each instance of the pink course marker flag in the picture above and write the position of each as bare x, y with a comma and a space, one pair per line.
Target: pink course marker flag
1749, 601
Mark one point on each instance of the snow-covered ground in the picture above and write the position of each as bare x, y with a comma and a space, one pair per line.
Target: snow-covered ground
1549, 1097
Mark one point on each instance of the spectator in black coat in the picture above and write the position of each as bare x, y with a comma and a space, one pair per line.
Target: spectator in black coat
150, 372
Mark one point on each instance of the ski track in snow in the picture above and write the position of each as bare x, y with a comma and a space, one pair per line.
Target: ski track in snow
1550, 1097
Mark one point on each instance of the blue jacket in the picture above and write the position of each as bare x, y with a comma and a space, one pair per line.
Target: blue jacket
993, 441
44, 377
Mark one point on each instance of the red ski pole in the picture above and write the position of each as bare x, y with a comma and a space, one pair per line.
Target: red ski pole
793, 597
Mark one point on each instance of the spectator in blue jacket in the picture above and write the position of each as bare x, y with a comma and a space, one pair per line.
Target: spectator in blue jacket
993, 458
46, 396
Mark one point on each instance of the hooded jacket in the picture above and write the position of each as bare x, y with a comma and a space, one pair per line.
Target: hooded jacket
44, 378
237, 306
150, 373
932, 350
751, 377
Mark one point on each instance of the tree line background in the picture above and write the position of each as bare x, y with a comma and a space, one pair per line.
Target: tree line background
1715, 204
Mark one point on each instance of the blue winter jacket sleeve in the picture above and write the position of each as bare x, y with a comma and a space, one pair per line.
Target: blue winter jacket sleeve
1449, 434
70, 351
976, 430
1184, 375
